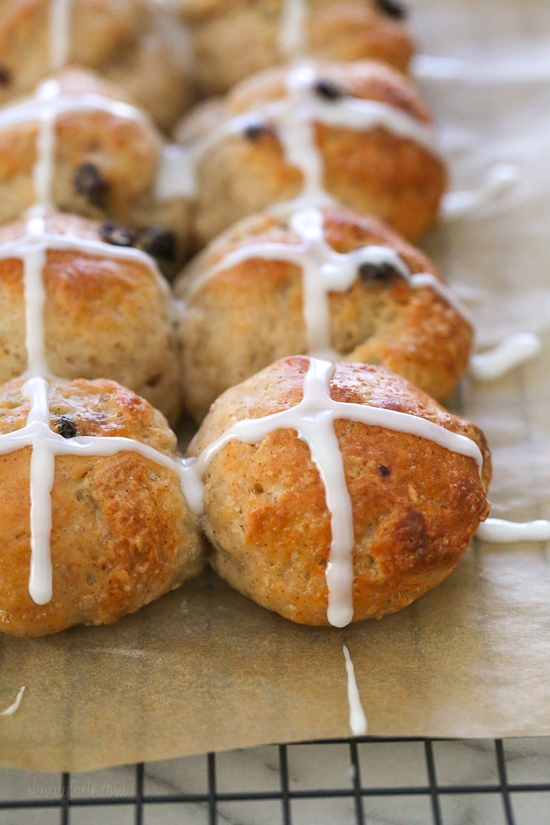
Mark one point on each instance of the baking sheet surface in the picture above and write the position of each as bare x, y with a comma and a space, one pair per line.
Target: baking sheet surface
205, 669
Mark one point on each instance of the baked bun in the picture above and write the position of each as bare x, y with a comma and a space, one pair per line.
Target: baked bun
356, 133
133, 42
402, 506
278, 30
330, 282
121, 532
77, 144
107, 313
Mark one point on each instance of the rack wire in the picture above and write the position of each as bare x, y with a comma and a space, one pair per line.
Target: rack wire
434, 801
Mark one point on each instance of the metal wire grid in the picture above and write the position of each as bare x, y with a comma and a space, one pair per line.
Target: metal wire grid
357, 792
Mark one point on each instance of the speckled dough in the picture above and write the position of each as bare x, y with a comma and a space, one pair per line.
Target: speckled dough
334, 30
133, 42
105, 165
392, 177
122, 534
105, 317
416, 505
236, 321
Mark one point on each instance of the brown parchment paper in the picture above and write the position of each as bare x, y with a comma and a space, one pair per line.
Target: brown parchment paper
205, 669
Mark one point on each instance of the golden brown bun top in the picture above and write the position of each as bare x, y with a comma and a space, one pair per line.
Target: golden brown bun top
99, 29
113, 236
364, 79
97, 408
345, 229
280, 386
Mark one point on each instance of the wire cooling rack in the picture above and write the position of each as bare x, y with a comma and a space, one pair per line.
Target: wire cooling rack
434, 801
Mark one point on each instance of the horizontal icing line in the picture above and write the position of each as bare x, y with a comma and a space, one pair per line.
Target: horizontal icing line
33, 108
366, 114
96, 248
80, 445
504, 532
372, 113
294, 254
364, 414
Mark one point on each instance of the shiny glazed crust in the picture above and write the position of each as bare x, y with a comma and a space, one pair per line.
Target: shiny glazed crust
105, 317
132, 42
239, 320
354, 30
122, 533
416, 505
391, 177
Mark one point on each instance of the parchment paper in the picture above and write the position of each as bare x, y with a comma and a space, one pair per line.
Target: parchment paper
204, 668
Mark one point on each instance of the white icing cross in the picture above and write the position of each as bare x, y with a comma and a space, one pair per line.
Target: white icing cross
47, 104
46, 444
32, 249
294, 117
313, 419
325, 270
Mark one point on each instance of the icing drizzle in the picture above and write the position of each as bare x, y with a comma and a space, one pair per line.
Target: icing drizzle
511, 352
313, 419
357, 718
325, 270
15, 706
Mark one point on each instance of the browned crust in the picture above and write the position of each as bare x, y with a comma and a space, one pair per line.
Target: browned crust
265, 510
122, 534
104, 317
392, 177
241, 319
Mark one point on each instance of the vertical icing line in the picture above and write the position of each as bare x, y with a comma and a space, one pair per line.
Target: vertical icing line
60, 33
357, 718
297, 134
33, 254
292, 35
42, 477
325, 270
46, 94
313, 420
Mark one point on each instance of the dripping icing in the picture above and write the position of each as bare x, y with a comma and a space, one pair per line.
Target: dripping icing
510, 353
357, 718
499, 180
15, 706
313, 419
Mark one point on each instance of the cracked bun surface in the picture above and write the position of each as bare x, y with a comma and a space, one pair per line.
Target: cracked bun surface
415, 504
122, 534
249, 298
